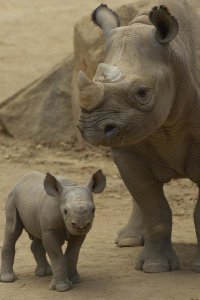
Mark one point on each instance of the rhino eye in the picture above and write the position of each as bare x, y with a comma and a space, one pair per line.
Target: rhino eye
142, 92
93, 210
65, 211
142, 95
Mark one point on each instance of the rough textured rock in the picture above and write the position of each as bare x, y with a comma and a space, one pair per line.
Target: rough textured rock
42, 110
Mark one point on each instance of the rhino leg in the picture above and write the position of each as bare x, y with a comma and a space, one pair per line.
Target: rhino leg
157, 254
43, 268
72, 252
133, 233
52, 245
13, 230
196, 263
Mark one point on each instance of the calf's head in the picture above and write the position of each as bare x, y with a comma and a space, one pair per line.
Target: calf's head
76, 202
132, 92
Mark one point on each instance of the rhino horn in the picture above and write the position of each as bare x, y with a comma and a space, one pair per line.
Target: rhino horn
107, 73
91, 93
83, 80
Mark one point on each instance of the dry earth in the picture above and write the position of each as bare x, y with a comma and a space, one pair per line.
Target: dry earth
34, 36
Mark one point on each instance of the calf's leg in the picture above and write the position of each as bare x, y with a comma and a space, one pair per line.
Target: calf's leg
13, 230
52, 245
43, 268
71, 255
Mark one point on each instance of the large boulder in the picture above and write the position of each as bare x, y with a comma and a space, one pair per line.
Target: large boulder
42, 110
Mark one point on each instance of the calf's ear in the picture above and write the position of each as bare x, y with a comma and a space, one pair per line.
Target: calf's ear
97, 183
105, 18
52, 186
165, 24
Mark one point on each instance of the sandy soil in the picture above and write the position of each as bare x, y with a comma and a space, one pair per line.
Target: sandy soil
34, 36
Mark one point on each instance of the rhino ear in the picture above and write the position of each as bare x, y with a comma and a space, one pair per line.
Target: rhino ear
166, 25
52, 186
97, 183
105, 18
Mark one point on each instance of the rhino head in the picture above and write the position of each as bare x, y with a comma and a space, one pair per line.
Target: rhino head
132, 92
76, 202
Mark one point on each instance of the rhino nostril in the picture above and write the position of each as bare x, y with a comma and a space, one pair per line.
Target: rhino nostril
110, 130
74, 224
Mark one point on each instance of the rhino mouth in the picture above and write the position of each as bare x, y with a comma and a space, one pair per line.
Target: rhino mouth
78, 231
100, 128
106, 135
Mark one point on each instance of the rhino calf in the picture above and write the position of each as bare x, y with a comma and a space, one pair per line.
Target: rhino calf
52, 210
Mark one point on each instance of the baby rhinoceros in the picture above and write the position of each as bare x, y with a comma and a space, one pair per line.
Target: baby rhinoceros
52, 210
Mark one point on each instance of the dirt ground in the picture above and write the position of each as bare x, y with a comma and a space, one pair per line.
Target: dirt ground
34, 36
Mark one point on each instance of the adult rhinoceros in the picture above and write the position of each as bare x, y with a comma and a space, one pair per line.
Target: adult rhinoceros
144, 103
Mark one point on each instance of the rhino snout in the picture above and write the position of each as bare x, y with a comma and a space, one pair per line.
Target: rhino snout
98, 134
80, 226
79, 217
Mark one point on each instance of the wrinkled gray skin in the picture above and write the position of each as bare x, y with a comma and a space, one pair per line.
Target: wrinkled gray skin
52, 210
144, 103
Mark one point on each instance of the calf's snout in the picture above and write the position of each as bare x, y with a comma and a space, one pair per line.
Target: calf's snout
80, 226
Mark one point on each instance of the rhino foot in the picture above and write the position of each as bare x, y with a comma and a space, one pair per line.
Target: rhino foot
60, 286
128, 237
43, 271
8, 277
154, 259
196, 265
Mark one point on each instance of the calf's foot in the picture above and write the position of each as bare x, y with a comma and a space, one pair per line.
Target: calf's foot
157, 257
8, 277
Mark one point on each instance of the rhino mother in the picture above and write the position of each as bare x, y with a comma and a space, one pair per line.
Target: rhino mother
144, 103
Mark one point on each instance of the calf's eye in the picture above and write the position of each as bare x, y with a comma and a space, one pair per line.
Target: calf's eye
93, 210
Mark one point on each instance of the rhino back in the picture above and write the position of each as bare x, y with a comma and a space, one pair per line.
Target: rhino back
36, 209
